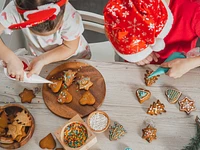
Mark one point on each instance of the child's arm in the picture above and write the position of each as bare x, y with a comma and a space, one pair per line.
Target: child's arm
12, 62
179, 67
63, 52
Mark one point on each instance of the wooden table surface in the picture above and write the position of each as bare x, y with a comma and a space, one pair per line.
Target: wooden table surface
174, 128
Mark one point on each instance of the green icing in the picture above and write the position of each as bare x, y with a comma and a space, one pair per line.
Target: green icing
142, 93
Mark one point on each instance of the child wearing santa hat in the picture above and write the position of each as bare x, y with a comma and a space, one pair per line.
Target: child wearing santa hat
53, 30
148, 31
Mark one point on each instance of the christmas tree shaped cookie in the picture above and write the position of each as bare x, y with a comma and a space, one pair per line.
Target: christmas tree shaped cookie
143, 95
116, 131
172, 95
150, 81
156, 108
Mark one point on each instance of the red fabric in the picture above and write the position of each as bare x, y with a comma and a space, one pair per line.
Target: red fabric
185, 29
132, 25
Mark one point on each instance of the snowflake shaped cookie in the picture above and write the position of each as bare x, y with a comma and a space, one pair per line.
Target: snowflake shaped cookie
187, 105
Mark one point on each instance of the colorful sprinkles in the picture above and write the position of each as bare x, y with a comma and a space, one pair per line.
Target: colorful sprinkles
75, 135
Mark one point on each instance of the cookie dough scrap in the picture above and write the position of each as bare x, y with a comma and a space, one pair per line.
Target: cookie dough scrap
149, 133
64, 97
87, 99
55, 87
142, 95
172, 95
68, 77
84, 83
156, 108
27, 96
150, 81
187, 105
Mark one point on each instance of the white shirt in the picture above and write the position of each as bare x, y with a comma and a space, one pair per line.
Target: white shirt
71, 29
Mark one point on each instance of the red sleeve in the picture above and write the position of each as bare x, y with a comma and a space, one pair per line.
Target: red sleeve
196, 22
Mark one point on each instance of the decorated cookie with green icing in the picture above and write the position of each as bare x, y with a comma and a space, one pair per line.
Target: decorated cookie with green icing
172, 95
143, 95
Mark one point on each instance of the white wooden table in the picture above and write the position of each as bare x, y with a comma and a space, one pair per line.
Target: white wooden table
174, 128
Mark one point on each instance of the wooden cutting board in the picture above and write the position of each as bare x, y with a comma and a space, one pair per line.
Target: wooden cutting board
68, 111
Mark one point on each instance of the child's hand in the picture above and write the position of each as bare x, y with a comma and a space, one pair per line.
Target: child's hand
15, 69
178, 67
35, 66
153, 56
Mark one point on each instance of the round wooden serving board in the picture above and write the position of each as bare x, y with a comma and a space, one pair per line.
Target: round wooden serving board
98, 90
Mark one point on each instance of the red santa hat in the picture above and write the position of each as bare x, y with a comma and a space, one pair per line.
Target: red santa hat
137, 27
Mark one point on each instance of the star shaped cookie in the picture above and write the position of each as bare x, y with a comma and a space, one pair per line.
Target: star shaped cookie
27, 96
84, 83
187, 105
149, 133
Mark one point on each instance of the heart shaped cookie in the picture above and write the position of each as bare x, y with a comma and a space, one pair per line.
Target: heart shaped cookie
48, 142
87, 99
143, 95
172, 95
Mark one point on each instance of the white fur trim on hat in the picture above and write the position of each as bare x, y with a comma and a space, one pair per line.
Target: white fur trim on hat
136, 57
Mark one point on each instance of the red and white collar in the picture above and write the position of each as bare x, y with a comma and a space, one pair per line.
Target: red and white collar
39, 15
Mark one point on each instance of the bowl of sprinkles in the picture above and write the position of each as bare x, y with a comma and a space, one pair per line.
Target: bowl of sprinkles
74, 134
98, 121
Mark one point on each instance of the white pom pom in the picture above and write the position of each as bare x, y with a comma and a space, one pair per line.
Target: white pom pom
158, 45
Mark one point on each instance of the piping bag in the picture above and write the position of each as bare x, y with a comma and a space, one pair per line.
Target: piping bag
33, 79
162, 70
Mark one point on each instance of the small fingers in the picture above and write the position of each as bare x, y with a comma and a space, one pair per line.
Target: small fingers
166, 65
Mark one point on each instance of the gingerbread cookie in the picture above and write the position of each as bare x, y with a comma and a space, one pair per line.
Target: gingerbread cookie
55, 87
68, 77
150, 81
156, 108
84, 83
87, 99
149, 133
187, 105
116, 131
6, 140
172, 95
14, 130
23, 118
27, 96
64, 97
48, 142
142, 95
20, 137
3, 120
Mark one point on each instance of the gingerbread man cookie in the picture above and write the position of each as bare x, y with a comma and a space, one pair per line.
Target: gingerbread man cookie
150, 81
142, 95
149, 133
187, 105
